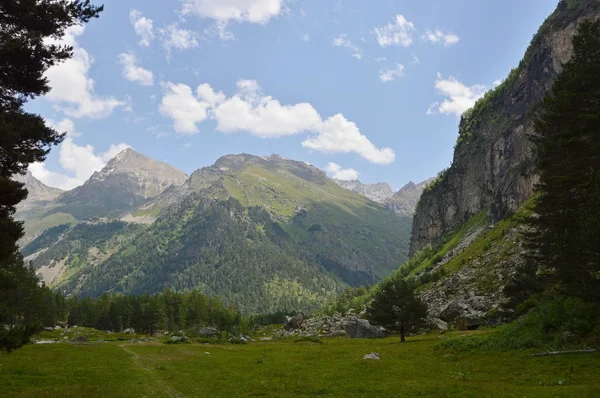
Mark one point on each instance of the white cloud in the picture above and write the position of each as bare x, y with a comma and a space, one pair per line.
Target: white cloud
397, 33
339, 135
459, 97
439, 36
183, 107
391, 74
265, 117
306, 37
415, 60
143, 27
381, 59
135, 73
78, 162
336, 171
497, 82
253, 11
71, 88
343, 41
174, 37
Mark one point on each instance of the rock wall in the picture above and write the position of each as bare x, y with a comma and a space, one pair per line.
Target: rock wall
493, 160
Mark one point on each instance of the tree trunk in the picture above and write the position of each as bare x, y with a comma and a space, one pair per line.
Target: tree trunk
402, 339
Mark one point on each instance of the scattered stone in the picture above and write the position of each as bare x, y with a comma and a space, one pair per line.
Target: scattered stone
207, 353
45, 342
49, 329
129, 331
266, 338
332, 326
57, 327
208, 332
373, 355
80, 339
175, 339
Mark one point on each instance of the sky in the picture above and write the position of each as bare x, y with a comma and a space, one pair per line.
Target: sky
371, 90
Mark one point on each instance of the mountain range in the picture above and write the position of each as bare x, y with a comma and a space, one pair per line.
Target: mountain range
266, 233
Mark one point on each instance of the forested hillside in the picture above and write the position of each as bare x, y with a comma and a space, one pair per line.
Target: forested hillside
263, 233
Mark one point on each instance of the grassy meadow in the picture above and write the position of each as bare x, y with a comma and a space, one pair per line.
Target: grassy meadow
289, 368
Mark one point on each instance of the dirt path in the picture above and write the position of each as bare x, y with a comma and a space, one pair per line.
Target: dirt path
145, 367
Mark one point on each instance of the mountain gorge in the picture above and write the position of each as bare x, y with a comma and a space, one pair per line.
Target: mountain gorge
263, 233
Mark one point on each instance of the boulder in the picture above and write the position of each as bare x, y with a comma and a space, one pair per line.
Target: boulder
373, 356
129, 331
208, 332
295, 322
49, 329
437, 323
80, 339
357, 328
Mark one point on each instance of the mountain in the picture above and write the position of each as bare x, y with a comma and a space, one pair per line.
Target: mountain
378, 192
405, 200
467, 245
38, 194
127, 181
265, 233
492, 169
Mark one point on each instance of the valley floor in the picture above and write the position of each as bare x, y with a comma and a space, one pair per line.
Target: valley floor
286, 368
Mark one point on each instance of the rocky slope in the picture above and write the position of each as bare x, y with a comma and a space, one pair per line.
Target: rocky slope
405, 201
493, 160
38, 194
377, 192
127, 181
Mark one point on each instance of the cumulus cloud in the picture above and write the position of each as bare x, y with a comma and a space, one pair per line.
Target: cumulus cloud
265, 117
143, 27
253, 11
439, 36
336, 171
459, 97
135, 73
339, 135
225, 11
391, 74
78, 163
395, 33
343, 41
71, 88
174, 37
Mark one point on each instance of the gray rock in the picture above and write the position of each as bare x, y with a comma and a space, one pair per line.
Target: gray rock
208, 332
129, 331
295, 322
48, 329
80, 339
357, 328
373, 356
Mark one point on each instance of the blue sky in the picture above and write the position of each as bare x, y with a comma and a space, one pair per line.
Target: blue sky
367, 89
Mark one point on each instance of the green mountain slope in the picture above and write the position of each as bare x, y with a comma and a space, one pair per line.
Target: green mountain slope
264, 233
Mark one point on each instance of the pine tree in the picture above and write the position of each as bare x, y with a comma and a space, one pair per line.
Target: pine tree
396, 307
565, 237
25, 55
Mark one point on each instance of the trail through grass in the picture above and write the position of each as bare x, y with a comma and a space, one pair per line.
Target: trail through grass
286, 368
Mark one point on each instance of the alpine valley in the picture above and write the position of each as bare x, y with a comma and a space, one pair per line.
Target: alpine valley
265, 234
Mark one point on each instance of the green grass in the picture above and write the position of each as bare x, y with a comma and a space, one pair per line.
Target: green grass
286, 368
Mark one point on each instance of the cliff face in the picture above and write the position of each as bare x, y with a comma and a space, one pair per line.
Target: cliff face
493, 160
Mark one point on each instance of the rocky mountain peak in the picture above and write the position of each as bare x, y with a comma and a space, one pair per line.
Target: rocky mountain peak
405, 201
377, 192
